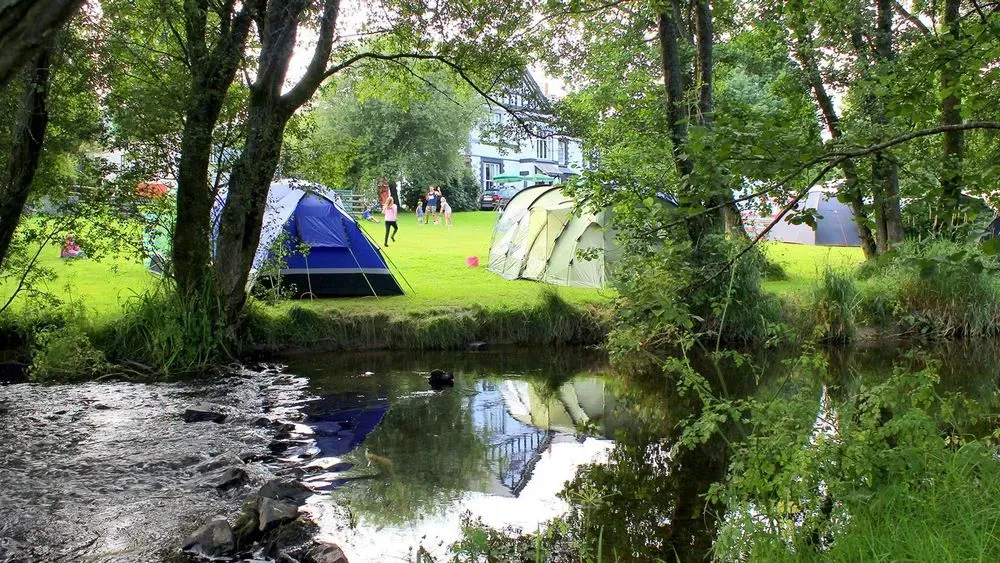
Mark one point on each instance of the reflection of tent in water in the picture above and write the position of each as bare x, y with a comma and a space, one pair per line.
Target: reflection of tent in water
341, 423
578, 404
519, 424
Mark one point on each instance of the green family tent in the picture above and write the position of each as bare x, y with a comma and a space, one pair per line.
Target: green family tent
540, 237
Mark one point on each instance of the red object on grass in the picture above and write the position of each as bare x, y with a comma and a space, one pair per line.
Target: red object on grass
472, 261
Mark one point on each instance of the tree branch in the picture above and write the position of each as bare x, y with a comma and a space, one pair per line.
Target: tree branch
834, 159
458, 69
910, 18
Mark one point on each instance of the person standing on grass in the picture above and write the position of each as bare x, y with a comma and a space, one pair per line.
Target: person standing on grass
389, 210
446, 210
432, 203
438, 198
420, 212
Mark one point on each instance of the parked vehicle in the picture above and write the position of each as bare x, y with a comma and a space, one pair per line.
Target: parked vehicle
489, 200
504, 196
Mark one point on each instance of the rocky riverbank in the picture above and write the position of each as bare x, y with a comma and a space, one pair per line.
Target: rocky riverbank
127, 471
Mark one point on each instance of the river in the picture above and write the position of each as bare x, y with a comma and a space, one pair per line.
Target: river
111, 472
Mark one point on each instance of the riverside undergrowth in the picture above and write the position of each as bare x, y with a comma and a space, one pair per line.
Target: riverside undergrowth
933, 289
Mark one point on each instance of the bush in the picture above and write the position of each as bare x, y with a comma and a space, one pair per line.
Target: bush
162, 328
834, 298
462, 191
937, 289
65, 354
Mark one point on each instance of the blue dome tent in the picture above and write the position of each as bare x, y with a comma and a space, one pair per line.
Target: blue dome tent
339, 260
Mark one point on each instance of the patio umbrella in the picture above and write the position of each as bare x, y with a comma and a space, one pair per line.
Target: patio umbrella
508, 178
539, 179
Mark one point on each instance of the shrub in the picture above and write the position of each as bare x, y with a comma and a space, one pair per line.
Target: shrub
162, 327
833, 300
938, 288
65, 354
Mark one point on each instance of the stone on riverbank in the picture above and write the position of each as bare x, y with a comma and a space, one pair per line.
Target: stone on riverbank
274, 513
325, 553
214, 539
288, 491
204, 412
230, 478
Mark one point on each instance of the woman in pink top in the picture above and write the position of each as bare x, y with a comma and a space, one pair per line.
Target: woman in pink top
389, 210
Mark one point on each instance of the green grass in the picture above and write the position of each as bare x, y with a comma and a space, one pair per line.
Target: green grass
804, 264
99, 286
430, 257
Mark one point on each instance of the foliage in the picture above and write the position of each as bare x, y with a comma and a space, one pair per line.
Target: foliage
389, 125
65, 353
160, 328
935, 289
808, 485
832, 302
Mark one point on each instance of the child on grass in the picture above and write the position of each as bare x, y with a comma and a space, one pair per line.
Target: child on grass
446, 210
420, 212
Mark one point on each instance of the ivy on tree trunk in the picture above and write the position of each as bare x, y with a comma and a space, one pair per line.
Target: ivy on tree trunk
26, 147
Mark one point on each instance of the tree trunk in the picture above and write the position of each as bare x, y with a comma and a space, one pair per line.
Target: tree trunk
954, 141
192, 234
28, 26
668, 33
26, 148
212, 73
242, 218
886, 168
241, 221
804, 51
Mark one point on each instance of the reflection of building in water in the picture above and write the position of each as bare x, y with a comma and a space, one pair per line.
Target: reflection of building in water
518, 423
512, 447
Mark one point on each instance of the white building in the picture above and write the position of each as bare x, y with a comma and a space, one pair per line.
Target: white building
548, 153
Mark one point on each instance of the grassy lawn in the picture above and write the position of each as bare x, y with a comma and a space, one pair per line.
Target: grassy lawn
430, 257
803, 263
99, 285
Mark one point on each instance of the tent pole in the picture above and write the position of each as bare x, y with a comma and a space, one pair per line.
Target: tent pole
309, 280
363, 274
387, 259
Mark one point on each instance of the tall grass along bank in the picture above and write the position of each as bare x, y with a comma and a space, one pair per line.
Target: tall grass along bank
552, 321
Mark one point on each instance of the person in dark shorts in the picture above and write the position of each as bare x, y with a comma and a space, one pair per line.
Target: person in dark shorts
430, 210
389, 211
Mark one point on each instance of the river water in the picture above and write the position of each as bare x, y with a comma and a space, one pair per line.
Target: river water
110, 472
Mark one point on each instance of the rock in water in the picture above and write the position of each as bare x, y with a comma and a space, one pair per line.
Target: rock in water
204, 412
214, 539
325, 553
230, 478
274, 513
288, 491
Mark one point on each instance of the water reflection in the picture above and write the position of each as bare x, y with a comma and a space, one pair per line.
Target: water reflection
516, 427
499, 445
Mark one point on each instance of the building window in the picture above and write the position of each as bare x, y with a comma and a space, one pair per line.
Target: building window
490, 170
496, 118
563, 152
544, 148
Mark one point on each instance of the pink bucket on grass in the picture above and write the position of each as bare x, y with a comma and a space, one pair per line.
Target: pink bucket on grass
472, 261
